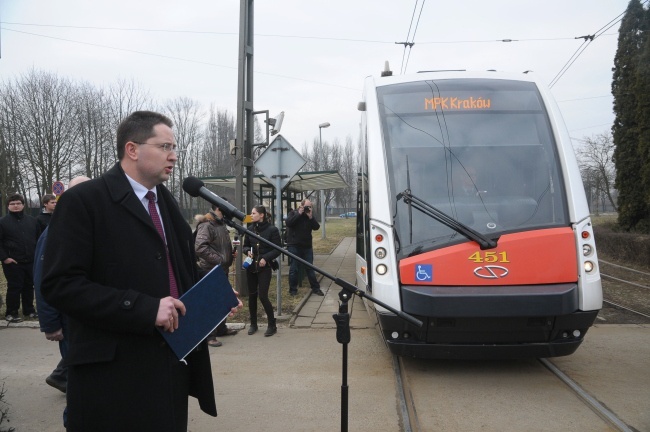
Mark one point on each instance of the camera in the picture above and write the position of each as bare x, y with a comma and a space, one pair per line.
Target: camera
307, 209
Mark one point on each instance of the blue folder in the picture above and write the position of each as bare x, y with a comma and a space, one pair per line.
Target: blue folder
207, 304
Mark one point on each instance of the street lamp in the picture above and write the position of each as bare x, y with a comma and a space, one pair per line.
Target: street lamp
322, 191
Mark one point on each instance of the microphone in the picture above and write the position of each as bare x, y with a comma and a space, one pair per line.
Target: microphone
196, 187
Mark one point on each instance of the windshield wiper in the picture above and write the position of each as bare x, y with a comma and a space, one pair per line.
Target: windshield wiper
429, 210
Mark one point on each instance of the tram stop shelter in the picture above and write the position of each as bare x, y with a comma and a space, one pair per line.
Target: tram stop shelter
293, 192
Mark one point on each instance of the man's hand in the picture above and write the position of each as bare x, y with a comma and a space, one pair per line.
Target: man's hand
54, 336
10, 261
168, 311
234, 310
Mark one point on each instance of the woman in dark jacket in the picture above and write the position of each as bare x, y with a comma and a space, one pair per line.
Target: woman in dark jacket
259, 272
213, 247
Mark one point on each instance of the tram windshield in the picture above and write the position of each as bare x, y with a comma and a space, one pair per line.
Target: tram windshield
481, 151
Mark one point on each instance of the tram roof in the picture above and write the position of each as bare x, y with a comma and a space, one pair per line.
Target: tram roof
301, 182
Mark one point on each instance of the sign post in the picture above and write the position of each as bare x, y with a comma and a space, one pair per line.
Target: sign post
280, 162
58, 188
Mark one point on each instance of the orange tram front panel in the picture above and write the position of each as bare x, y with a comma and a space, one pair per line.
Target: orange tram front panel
546, 256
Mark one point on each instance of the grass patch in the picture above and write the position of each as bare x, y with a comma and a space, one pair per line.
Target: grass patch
335, 229
605, 219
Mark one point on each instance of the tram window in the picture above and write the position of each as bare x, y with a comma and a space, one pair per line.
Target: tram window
506, 154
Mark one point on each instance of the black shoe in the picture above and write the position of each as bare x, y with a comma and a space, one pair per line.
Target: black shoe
228, 332
252, 329
318, 292
13, 319
293, 293
271, 330
58, 383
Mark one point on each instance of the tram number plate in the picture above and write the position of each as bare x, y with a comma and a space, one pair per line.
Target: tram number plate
489, 257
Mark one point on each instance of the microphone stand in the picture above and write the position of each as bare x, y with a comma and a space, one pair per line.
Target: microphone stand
342, 319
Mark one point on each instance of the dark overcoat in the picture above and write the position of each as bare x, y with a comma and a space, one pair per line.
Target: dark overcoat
105, 267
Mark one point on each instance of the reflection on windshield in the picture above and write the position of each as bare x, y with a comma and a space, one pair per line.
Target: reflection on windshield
493, 170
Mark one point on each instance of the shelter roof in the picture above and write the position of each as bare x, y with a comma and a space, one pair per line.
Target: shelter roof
301, 182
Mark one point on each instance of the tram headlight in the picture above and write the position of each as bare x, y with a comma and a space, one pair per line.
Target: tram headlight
589, 266
586, 249
381, 269
380, 253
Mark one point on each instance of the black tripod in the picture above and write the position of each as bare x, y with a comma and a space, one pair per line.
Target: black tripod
195, 187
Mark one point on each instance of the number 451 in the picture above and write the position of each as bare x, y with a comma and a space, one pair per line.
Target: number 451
489, 257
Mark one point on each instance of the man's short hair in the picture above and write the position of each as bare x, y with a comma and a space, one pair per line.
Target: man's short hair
16, 197
138, 127
47, 198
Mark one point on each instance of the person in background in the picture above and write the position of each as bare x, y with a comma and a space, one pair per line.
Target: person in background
49, 204
300, 223
259, 271
52, 322
18, 236
213, 247
118, 256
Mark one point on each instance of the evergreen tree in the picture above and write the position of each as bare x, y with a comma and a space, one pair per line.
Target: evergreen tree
643, 120
625, 130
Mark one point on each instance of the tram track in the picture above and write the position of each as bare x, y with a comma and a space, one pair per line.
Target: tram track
589, 400
408, 397
626, 289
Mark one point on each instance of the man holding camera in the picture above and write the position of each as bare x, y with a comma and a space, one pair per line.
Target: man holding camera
300, 224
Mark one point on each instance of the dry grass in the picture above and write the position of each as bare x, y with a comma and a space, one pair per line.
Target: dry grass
602, 219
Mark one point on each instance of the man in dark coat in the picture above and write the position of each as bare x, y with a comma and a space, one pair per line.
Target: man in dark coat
49, 204
18, 236
106, 267
300, 223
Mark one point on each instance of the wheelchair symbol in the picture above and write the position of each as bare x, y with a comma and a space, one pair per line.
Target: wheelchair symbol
424, 272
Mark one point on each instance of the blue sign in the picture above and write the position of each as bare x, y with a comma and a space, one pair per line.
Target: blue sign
424, 272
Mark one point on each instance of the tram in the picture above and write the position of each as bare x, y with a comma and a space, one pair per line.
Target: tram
472, 217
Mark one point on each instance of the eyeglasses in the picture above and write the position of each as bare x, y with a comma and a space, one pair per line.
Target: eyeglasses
166, 147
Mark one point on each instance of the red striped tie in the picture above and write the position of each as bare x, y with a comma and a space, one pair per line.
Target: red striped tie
173, 289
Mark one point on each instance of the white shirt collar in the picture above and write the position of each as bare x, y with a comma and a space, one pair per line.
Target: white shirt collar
140, 191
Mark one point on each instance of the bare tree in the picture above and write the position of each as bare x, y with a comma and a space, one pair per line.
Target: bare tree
596, 163
327, 157
10, 178
220, 129
45, 143
124, 97
348, 169
96, 149
187, 116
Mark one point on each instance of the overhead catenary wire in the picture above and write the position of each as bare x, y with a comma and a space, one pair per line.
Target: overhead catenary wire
410, 38
184, 59
587, 41
284, 36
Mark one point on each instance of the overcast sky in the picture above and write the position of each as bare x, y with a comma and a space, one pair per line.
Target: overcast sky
311, 56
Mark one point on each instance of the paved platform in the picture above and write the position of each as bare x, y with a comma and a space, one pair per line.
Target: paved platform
288, 382
292, 381
316, 311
